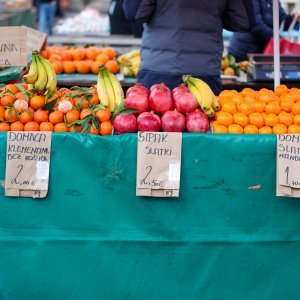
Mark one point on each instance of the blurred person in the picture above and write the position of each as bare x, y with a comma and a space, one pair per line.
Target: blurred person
46, 11
257, 39
185, 37
118, 22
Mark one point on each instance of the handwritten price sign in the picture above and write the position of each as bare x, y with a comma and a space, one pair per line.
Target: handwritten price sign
27, 164
159, 163
13, 46
288, 165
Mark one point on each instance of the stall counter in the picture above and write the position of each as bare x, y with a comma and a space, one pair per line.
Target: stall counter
227, 237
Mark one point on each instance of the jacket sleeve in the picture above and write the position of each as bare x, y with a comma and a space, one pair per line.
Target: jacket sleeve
139, 10
238, 15
261, 29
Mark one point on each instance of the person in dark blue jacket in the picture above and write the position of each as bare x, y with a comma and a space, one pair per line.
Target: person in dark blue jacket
256, 40
185, 37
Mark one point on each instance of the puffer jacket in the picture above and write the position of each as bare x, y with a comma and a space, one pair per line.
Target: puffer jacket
185, 37
256, 40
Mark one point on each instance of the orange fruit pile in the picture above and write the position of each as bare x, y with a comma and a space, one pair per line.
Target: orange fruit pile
81, 60
259, 112
67, 110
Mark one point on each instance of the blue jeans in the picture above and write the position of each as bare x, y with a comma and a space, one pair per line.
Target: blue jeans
46, 17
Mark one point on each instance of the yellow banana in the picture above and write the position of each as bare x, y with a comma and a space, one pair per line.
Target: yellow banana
209, 112
110, 90
215, 104
51, 75
136, 61
41, 82
134, 53
30, 87
101, 89
195, 92
121, 58
206, 91
127, 70
135, 70
32, 75
117, 88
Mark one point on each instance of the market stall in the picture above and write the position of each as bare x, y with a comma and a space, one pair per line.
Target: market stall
226, 237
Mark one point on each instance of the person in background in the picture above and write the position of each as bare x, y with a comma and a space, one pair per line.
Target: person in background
185, 37
118, 22
46, 11
256, 40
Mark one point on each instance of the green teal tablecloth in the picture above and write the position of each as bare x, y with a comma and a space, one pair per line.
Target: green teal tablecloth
92, 238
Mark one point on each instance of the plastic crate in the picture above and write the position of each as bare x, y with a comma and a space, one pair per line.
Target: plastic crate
12, 73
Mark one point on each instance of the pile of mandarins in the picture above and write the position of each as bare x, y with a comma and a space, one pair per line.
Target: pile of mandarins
259, 112
81, 60
66, 110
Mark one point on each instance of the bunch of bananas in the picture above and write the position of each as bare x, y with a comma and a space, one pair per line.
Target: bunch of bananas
130, 63
109, 89
41, 75
204, 95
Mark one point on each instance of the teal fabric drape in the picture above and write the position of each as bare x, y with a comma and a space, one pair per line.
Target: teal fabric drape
92, 238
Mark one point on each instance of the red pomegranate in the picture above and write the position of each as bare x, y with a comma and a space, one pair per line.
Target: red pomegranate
137, 88
184, 100
197, 121
148, 121
125, 124
173, 121
160, 100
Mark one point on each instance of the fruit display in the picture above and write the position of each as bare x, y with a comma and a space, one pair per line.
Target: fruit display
38, 105
259, 112
109, 89
104, 109
130, 63
81, 60
65, 110
229, 66
160, 109
41, 75
203, 94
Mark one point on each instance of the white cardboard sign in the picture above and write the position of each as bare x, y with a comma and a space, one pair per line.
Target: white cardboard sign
158, 164
27, 164
288, 165
13, 46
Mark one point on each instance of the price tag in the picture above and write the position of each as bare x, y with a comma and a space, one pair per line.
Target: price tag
27, 164
13, 46
288, 165
158, 164
36, 40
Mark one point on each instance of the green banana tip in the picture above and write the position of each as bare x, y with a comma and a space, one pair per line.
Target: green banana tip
185, 78
102, 68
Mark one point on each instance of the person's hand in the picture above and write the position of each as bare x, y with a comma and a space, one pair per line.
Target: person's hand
296, 15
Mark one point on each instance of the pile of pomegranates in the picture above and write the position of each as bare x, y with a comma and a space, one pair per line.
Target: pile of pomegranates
161, 109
